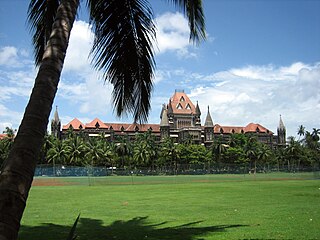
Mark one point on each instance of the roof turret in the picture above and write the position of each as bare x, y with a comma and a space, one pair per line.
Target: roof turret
164, 118
198, 112
281, 124
208, 122
56, 118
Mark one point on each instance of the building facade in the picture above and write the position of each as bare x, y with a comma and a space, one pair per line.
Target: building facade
179, 120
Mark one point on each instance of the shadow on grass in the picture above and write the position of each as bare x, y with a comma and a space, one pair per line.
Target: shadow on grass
135, 229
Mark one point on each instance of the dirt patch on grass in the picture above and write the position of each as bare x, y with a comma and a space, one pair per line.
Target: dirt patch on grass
49, 182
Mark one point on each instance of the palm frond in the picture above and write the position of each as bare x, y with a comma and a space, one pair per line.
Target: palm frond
123, 49
194, 12
41, 15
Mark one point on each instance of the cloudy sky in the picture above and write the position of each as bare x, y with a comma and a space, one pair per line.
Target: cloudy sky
261, 59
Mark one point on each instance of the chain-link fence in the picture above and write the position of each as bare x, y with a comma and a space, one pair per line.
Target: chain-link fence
75, 171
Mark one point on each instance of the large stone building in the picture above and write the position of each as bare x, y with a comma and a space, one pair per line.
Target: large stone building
180, 120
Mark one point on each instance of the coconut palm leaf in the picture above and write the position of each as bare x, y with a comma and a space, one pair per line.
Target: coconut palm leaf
41, 15
194, 11
123, 50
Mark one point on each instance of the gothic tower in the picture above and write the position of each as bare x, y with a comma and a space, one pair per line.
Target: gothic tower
56, 125
197, 120
164, 124
281, 130
208, 129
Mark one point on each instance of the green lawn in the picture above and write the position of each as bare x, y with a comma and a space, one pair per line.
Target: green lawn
177, 208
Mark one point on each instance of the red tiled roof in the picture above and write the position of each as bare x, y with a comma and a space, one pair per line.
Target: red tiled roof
127, 127
117, 127
2, 136
96, 123
132, 127
255, 127
75, 123
181, 104
250, 128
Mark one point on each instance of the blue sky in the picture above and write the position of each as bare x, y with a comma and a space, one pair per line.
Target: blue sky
261, 59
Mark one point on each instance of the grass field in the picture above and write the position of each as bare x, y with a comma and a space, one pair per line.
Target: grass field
265, 206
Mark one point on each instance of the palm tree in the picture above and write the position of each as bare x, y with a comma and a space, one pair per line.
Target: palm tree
75, 151
250, 149
315, 134
109, 156
301, 131
218, 149
264, 153
94, 152
124, 150
57, 152
292, 152
124, 33
170, 153
141, 154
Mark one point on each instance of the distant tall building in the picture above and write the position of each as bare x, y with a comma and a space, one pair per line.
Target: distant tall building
179, 120
56, 125
281, 131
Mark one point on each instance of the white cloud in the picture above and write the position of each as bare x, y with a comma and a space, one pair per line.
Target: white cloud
80, 44
81, 85
173, 34
259, 94
8, 55
9, 118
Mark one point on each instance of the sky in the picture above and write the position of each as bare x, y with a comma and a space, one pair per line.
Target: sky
261, 59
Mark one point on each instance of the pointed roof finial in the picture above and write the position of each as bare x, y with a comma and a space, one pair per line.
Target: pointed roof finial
198, 112
281, 124
208, 122
56, 115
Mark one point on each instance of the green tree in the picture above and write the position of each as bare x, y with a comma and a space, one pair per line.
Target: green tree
57, 153
5, 146
75, 151
251, 150
93, 151
10, 133
141, 154
123, 37
170, 153
218, 149
315, 134
263, 155
109, 155
301, 131
292, 153
124, 150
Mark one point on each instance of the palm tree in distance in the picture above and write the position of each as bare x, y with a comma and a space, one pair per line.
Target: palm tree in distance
301, 131
123, 37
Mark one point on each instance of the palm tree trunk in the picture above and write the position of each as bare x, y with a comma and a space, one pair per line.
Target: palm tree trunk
18, 170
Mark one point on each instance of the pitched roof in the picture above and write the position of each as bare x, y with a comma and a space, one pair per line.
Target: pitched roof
133, 127
256, 127
208, 122
117, 127
75, 124
96, 123
250, 128
181, 104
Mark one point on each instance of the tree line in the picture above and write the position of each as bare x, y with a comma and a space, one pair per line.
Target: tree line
146, 153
